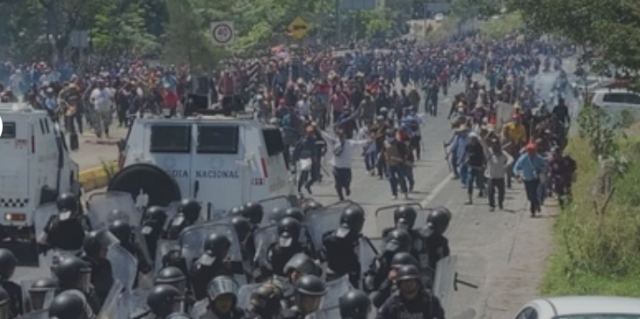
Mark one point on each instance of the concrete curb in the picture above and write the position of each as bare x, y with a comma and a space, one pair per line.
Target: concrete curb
96, 177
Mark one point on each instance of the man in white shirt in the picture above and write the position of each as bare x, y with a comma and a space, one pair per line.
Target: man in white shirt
342, 150
498, 162
102, 99
304, 110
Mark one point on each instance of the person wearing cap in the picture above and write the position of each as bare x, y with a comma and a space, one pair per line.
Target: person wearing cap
528, 168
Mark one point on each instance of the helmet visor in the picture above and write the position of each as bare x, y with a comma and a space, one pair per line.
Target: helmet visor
309, 303
41, 299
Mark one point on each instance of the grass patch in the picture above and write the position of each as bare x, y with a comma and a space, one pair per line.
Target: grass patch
501, 26
597, 252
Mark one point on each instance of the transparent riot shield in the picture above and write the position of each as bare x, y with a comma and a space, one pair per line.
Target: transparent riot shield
335, 289
444, 281
110, 308
163, 248
263, 238
172, 212
324, 220
366, 254
101, 205
42, 297
244, 295
268, 204
124, 265
192, 243
133, 300
384, 216
200, 309
42, 314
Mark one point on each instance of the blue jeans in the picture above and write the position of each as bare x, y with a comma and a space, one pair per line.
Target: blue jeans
370, 161
408, 175
463, 172
397, 177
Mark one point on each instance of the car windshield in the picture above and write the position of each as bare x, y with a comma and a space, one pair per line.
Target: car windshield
600, 316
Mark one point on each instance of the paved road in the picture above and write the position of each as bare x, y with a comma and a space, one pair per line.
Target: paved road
93, 152
503, 252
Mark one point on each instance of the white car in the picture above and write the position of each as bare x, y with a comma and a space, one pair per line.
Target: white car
615, 101
439, 17
581, 307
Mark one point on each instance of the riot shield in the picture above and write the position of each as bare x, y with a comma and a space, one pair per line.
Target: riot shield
162, 249
124, 265
324, 220
110, 307
192, 243
335, 289
244, 295
42, 215
200, 309
172, 211
42, 314
384, 216
366, 254
132, 301
263, 238
444, 281
268, 204
101, 205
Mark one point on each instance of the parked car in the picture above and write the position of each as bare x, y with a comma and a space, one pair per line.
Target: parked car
581, 307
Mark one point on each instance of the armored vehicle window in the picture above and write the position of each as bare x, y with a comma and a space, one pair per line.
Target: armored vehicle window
8, 131
218, 139
170, 139
273, 139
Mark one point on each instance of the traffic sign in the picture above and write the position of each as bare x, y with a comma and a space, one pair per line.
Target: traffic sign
223, 33
298, 28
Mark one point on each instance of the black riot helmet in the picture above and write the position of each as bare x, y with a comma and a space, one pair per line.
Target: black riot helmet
70, 304
351, 222
437, 221
266, 300
242, 226
40, 291
403, 258
310, 291
405, 217
407, 272
164, 300
310, 206
276, 214
217, 245
254, 212
355, 304
171, 276
301, 264
397, 240
154, 219
295, 213
97, 242
288, 231
73, 273
8, 263
223, 287
67, 205
190, 209
121, 230
5, 310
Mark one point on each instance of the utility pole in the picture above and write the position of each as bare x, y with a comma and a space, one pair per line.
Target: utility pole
338, 21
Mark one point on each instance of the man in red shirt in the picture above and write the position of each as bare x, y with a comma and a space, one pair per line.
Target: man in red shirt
169, 102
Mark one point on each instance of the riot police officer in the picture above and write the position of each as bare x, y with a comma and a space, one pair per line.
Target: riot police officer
254, 212
222, 300
276, 215
265, 302
244, 229
355, 304
278, 254
96, 245
213, 263
310, 291
411, 300
295, 213
124, 233
74, 273
39, 292
310, 205
404, 218
153, 228
397, 240
64, 231
437, 246
71, 304
387, 287
173, 276
188, 214
164, 300
339, 247
299, 265
8, 263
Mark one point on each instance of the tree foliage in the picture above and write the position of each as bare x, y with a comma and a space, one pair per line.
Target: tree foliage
611, 26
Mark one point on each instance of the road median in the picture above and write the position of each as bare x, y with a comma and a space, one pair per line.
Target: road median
97, 177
